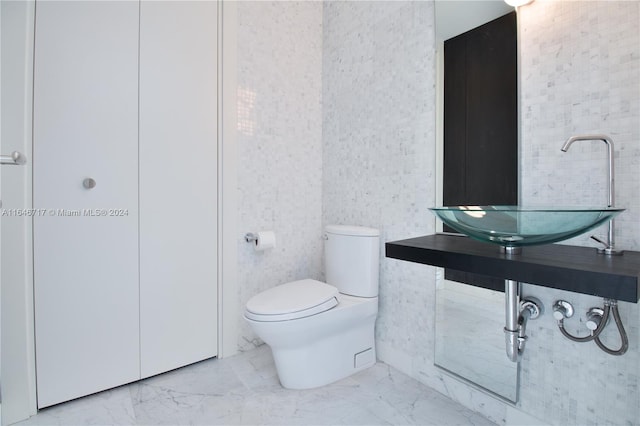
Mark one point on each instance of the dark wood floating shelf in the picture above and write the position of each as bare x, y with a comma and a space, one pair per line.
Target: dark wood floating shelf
571, 268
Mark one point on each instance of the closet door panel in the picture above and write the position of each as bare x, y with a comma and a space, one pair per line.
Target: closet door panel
85, 240
178, 190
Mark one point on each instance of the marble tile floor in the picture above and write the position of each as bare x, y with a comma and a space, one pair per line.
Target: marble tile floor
244, 390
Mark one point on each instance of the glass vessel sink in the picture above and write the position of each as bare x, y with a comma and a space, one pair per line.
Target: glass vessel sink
517, 226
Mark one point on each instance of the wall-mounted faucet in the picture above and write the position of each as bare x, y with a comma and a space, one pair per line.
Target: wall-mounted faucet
609, 245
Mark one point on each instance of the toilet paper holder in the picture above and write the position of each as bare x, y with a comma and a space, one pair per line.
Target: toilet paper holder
264, 240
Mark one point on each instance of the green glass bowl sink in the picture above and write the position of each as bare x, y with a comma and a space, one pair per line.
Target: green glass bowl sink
517, 226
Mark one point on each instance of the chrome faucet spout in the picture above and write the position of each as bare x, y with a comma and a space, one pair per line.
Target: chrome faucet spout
610, 244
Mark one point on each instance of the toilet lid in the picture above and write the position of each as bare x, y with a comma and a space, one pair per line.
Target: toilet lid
293, 300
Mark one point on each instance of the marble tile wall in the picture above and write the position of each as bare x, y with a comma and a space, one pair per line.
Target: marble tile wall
581, 74
279, 145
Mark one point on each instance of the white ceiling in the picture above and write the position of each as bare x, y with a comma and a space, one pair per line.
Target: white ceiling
454, 17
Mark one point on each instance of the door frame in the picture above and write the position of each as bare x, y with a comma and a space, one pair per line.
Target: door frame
19, 337
227, 179
17, 352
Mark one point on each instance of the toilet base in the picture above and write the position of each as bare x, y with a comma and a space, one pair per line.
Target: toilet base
320, 349
327, 360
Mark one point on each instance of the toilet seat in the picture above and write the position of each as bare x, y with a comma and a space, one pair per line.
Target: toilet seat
293, 300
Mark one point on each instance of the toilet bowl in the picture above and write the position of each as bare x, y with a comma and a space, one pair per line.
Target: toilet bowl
322, 332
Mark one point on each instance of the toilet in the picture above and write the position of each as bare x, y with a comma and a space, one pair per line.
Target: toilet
322, 332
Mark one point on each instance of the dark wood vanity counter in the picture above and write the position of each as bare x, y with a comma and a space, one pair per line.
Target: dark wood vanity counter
571, 268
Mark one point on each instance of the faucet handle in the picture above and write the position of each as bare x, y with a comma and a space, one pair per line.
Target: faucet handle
604, 243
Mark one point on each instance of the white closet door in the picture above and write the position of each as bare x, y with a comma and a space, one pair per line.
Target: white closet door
85, 262
178, 190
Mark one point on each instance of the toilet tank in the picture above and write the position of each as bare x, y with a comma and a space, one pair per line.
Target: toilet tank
352, 255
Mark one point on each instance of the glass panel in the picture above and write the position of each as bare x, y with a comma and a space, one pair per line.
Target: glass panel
470, 337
